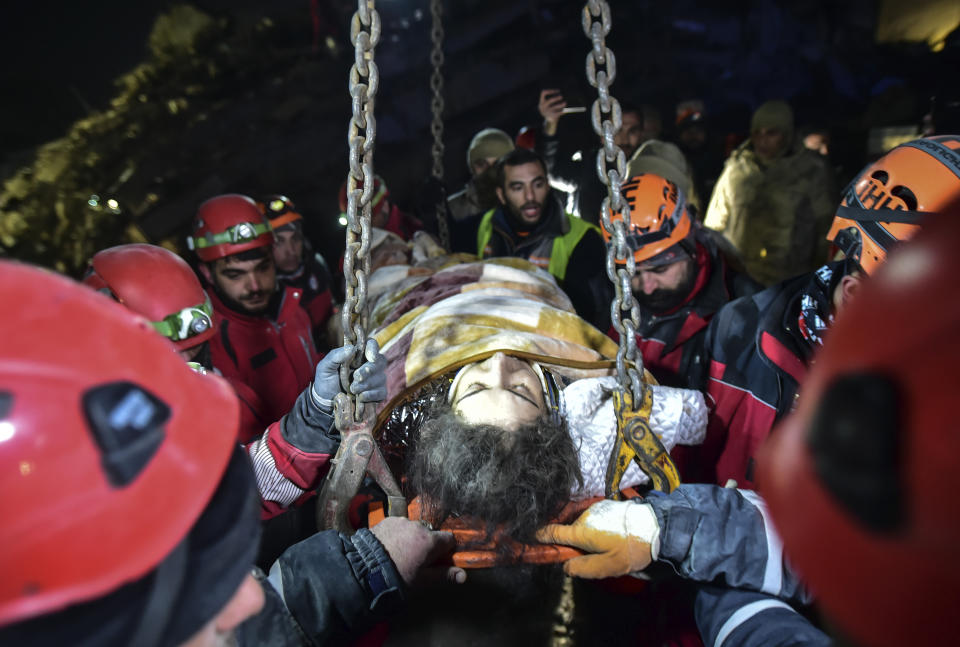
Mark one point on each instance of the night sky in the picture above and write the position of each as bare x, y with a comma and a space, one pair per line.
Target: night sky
60, 59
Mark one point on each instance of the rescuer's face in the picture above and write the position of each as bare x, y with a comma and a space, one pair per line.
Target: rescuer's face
482, 165
248, 285
287, 250
501, 390
664, 287
631, 134
219, 632
768, 143
524, 192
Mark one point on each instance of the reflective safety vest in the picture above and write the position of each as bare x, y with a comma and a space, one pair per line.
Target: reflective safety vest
551, 254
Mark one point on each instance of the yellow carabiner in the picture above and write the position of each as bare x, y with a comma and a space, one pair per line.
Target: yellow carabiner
637, 442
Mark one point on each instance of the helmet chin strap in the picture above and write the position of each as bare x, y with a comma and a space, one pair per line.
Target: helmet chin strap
167, 580
552, 393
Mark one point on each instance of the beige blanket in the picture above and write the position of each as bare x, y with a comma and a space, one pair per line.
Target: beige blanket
431, 321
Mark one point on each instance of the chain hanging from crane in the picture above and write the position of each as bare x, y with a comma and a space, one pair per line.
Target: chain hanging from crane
633, 399
436, 107
358, 454
363, 83
607, 119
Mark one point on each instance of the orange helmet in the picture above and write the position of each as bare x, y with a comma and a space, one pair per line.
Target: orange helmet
860, 480
158, 284
659, 218
226, 225
279, 210
887, 201
110, 447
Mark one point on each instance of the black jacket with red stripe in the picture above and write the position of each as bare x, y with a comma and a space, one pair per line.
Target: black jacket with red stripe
757, 361
672, 344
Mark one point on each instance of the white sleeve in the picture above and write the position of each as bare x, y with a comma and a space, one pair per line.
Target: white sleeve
679, 416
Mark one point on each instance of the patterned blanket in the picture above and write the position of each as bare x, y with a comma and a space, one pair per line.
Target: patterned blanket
430, 321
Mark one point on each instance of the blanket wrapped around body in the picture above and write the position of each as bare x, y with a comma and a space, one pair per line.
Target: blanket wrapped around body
431, 321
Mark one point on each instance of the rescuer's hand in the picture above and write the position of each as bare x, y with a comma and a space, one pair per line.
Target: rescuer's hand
416, 550
369, 382
622, 535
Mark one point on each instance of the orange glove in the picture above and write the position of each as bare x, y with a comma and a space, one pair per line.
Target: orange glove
623, 536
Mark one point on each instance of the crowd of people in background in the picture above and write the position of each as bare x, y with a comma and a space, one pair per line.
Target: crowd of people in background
748, 254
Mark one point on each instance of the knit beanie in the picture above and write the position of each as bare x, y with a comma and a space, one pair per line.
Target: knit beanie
663, 159
775, 115
489, 142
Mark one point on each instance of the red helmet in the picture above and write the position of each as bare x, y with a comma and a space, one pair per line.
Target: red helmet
886, 202
380, 193
110, 446
659, 218
279, 210
158, 284
526, 138
227, 225
861, 479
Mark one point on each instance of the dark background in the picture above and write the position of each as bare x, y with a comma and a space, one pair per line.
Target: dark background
273, 118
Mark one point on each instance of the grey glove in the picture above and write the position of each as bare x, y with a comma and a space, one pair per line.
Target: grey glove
369, 382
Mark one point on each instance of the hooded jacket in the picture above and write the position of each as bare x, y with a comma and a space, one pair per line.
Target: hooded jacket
776, 214
274, 357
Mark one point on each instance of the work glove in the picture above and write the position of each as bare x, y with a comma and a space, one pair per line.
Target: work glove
369, 382
622, 537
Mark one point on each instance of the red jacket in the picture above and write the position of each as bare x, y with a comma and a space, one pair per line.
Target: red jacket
293, 455
275, 358
313, 279
756, 366
253, 420
672, 342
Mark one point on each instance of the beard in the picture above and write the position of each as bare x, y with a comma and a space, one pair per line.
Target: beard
661, 301
241, 305
513, 482
516, 217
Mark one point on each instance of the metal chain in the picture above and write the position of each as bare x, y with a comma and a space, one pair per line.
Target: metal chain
364, 79
607, 120
436, 106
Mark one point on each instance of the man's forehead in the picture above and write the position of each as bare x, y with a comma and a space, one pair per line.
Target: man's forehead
236, 263
286, 234
630, 118
665, 264
528, 170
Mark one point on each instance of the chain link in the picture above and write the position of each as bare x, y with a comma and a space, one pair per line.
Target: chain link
436, 107
607, 119
363, 83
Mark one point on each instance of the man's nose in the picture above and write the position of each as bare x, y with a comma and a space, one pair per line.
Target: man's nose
528, 194
497, 365
649, 283
252, 283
